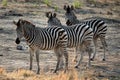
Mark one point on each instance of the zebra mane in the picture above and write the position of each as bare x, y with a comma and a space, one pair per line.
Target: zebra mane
28, 23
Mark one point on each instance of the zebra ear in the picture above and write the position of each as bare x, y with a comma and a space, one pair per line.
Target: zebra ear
14, 22
48, 14
54, 15
65, 7
72, 7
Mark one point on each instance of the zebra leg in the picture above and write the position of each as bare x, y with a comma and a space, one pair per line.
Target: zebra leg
61, 63
66, 59
37, 59
76, 54
104, 46
58, 59
89, 55
94, 47
31, 58
80, 58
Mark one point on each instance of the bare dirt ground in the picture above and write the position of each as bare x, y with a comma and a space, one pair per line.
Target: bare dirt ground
12, 59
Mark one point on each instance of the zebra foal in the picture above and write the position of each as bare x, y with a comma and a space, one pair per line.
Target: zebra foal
42, 38
99, 27
79, 36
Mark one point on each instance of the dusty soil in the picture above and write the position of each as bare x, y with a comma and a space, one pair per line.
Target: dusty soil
12, 59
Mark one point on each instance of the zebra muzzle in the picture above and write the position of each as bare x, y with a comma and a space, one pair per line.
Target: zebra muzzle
17, 41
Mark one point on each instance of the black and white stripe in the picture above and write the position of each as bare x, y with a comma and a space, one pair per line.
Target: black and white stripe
99, 27
43, 38
80, 36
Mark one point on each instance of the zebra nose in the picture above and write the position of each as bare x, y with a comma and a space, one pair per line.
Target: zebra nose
17, 41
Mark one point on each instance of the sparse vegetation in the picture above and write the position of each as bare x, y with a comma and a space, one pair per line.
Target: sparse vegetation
4, 2
47, 2
92, 1
26, 75
56, 8
22, 74
77, 4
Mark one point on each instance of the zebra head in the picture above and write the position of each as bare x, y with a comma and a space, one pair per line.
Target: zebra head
69, 15
21, 24
18, 31
52, 19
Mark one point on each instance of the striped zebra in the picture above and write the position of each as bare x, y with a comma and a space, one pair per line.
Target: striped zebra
99, 27
80, 36
43, 39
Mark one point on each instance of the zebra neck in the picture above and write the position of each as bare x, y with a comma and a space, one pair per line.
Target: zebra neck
29, 34
76, 21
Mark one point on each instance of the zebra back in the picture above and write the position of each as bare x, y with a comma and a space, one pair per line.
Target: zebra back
84, 33
99, 26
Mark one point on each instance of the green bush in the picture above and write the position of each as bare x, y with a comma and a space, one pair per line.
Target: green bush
92, 1
4, 2
56, 8
47, 2
77, 4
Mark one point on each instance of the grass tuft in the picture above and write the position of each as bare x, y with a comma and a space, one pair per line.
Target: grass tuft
2, 70
72, 74
56, 8
47, 2
77, 4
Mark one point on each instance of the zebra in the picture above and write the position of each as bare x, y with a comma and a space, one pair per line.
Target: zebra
80, 36
43, 39
99, 28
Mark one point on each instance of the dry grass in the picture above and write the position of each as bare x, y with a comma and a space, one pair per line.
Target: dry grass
22, 74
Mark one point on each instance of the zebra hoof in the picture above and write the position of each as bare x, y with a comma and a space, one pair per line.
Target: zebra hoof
30, 68
75, 61
55, 71
65, 71
76, 67
38, 72
92, 59
103, 60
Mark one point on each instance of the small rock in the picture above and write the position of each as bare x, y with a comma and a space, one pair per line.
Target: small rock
109, 13
12, 13
19, 47
101, 13
1, 29
1, 54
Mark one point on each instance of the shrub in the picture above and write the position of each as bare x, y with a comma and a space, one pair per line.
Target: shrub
4, 2
47, 2
77, 4
56, 8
